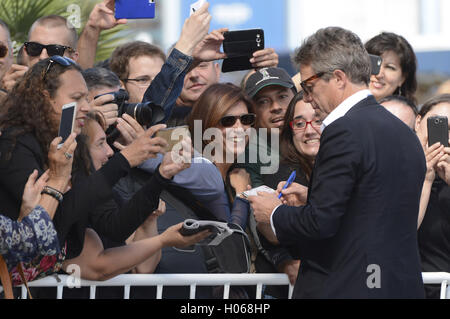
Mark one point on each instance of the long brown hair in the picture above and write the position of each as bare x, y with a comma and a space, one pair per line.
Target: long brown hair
27, 107
214, 103
289, 152
82, 158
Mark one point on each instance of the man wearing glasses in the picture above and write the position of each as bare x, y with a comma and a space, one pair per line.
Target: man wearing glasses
357, 233
48, 36
137, 64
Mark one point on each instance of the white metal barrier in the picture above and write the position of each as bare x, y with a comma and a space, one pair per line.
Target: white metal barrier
442, 278
161, 280
195, 280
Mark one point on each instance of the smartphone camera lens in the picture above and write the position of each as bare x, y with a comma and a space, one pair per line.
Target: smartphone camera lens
436, 121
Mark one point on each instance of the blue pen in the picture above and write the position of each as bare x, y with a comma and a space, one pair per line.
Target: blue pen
288, 183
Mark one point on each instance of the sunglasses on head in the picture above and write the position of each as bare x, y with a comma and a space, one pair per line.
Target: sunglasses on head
245, 119
3, 50
34, 49
61, 60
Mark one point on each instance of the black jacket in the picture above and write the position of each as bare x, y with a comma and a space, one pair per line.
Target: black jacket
357, 235
88, 203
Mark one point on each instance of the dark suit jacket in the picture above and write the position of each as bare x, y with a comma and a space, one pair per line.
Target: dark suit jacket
359, 227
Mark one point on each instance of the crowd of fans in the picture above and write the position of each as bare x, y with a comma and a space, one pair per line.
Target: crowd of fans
95, 201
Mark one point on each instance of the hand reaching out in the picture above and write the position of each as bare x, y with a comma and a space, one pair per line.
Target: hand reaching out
144, 147
209, 48
60, 162
129, 130
195, 28
109, 110
102, 16
177, 160
32, 193
443, 166
433, 155
240, 180
173, 238
266, 58
13, 75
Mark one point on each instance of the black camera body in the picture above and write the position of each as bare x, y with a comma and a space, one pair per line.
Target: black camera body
147, 114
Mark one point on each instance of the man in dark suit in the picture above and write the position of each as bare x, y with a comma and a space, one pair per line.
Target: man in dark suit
357, 233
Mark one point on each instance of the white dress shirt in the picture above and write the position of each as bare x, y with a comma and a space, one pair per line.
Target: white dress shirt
336, 114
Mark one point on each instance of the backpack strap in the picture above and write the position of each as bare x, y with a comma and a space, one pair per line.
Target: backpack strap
6, 279
24, 280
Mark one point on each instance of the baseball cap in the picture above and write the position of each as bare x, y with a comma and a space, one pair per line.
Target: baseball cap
266, 77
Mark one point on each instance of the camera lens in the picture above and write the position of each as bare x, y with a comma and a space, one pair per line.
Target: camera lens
436, 121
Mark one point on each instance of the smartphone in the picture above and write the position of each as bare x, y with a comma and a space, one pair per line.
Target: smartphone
254, 191
239, 47
197, 5
67, 122
135, 9
376, 62
173, 135
437, 130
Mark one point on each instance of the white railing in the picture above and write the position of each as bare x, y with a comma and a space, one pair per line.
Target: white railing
195, 280
442, 278
161, 280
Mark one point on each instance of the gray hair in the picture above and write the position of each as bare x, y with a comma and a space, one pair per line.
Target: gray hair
334, 48
100, 77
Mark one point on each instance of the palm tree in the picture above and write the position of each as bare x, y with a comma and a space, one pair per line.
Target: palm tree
20, 15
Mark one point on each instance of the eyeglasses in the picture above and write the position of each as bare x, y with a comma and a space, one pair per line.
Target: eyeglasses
34, 49
245, 119
144, 81
57, 59
301, 124
307, 88
3, 50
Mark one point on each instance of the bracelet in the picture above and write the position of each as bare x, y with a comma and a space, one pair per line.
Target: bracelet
53, 193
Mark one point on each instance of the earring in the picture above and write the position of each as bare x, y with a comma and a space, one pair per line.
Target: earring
400, 90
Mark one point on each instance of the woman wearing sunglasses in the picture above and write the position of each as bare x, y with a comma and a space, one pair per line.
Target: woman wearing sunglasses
223, 115
30, 122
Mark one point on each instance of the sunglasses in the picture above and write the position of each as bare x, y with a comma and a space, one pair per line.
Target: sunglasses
245, 119
3, 50
63, 61
34, 49
307, 88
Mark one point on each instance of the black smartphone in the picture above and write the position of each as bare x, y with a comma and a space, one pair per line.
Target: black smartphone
239, 47
437, 130
67, 122
376, 62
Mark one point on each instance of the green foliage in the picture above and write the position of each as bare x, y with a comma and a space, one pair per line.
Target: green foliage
21, 14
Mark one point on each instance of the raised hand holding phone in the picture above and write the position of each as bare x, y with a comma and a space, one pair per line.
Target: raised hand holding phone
196, 6
67, 121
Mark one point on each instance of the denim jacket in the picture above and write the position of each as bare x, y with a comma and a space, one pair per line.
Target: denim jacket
167, 85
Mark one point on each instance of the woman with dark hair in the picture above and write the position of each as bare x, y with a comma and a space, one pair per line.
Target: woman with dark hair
299, 145
223, 115
398, 70
434, 215
30, 122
